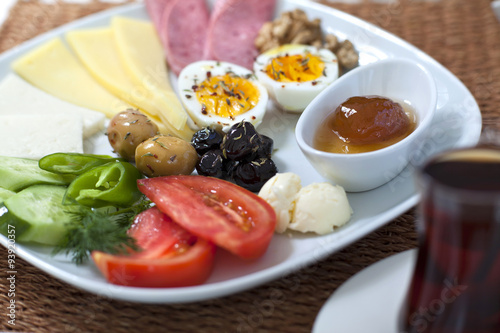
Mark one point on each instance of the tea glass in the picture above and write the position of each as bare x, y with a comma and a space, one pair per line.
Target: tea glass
456, 282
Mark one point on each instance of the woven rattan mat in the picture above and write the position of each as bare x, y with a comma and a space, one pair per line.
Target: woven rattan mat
463, 35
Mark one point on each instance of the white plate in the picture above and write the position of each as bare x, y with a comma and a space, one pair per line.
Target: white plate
458, 123
371, 300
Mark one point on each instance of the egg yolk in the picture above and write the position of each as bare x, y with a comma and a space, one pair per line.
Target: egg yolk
295, 68
227, 95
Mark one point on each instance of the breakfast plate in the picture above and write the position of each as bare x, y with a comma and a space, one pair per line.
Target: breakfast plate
457, 123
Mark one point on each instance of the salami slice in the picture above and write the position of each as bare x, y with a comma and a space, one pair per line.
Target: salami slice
234, 24
182, 30
218, 5
155, 10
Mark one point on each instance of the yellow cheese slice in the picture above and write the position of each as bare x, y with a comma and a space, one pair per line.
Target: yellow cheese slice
97, 51
141, 51
167, 130
53, 68
142, 56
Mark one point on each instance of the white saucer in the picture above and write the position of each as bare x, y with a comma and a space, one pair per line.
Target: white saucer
369, 301
495, 5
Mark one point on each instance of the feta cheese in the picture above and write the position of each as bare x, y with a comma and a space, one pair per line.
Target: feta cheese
319, 208
20, 97
280, 192
34, 136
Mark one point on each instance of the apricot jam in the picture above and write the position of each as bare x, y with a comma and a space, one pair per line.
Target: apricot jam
365, 123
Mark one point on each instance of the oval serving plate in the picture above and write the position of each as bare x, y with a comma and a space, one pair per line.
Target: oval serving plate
457, 123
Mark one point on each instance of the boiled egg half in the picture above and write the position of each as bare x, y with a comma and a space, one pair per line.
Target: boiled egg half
294, 74
219, 94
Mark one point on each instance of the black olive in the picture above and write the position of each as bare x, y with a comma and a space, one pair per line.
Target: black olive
206, 139
211, 164
266, 148
228, 168
241, 142
254, 174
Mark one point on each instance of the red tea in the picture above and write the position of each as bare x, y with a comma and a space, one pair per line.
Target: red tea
456, 284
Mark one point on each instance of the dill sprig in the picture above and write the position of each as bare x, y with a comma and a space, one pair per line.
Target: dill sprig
100, 230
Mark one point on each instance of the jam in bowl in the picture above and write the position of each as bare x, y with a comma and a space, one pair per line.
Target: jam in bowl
365, 123
360, 131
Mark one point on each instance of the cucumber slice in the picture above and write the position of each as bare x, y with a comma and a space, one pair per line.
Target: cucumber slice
37, 214
5, 194
9, 222
19, 173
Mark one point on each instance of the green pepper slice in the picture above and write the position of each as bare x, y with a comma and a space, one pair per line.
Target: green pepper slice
112, 184
73, 163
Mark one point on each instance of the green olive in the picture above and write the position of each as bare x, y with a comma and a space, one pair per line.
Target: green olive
164, 155
127, 129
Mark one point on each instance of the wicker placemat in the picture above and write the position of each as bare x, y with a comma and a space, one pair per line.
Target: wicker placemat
461, 34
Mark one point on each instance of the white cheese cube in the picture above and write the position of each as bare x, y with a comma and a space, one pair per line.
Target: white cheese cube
34, 136
18, 96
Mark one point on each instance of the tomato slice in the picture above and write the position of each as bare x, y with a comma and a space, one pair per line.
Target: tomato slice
216, 210
170, 256
156, 234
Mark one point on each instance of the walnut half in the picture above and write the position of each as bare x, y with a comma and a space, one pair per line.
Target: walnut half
294, 27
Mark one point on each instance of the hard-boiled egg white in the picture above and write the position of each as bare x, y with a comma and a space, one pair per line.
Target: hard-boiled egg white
294, 74
220, 94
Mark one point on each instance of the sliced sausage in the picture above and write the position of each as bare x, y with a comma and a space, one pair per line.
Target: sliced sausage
182, 31
233, 27
155, 10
